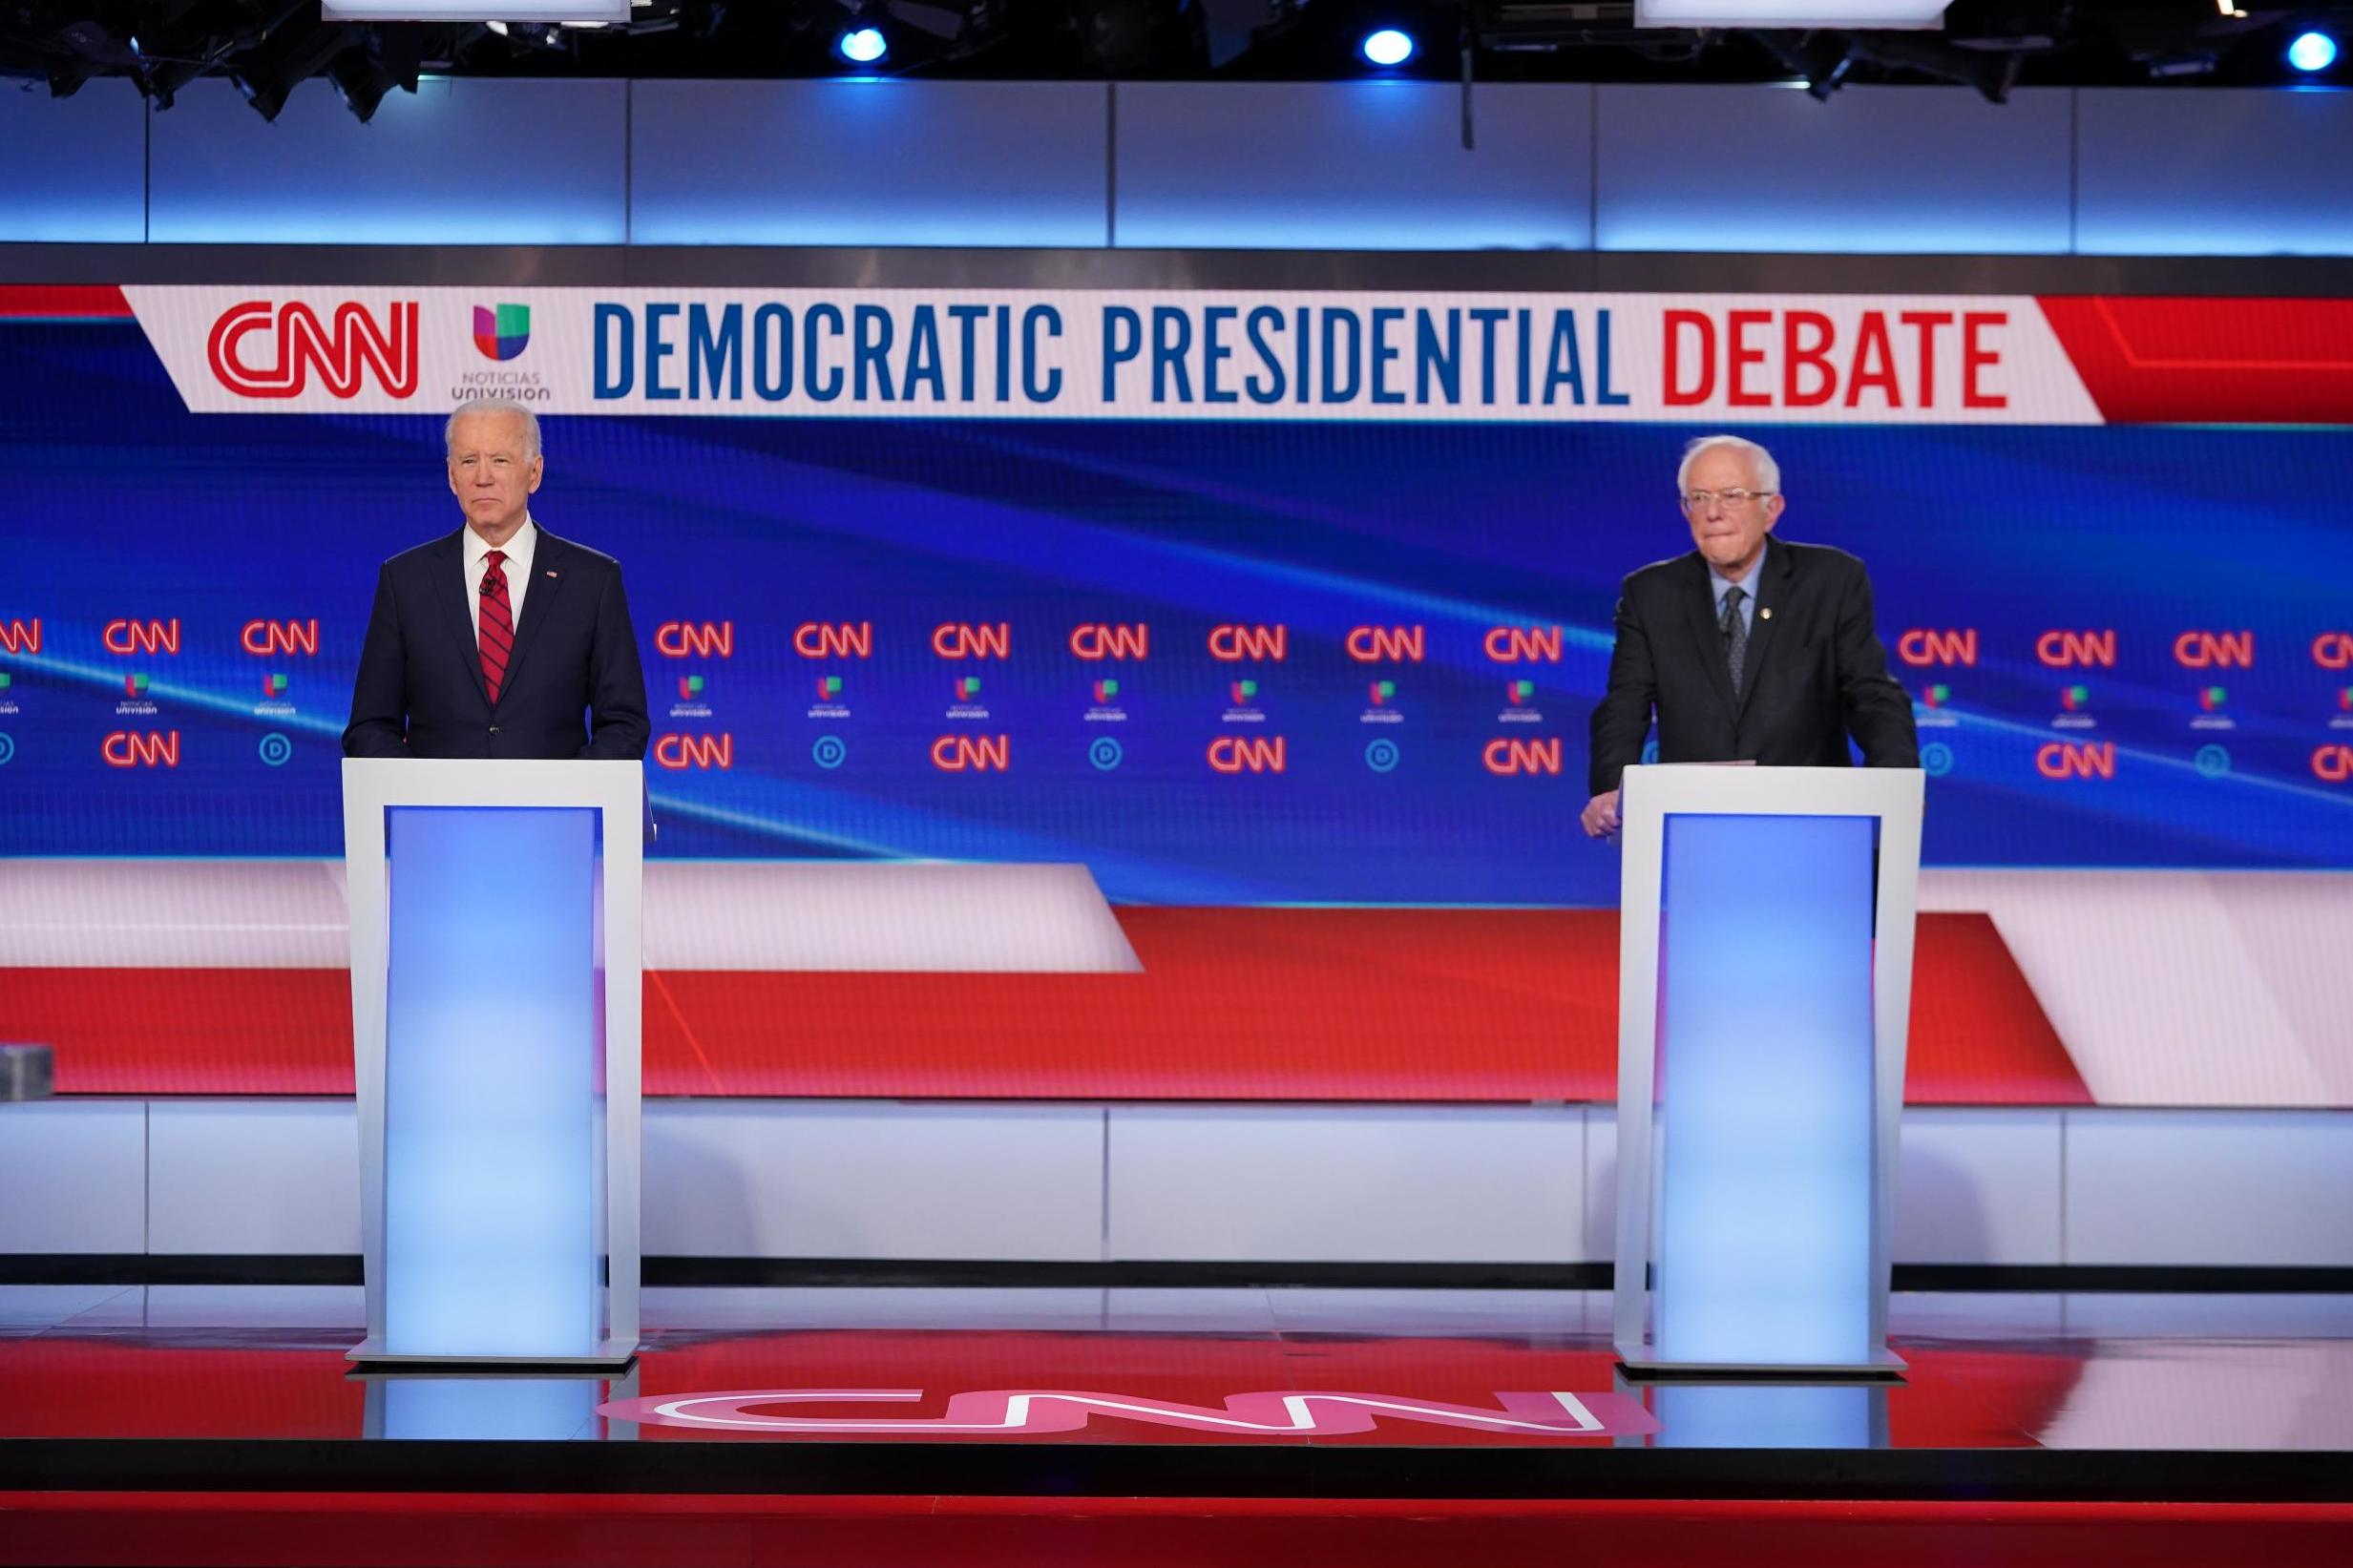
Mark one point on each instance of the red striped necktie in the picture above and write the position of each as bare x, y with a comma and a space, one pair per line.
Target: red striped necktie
495, 630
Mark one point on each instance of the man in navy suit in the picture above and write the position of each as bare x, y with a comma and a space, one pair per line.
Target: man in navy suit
499, 640
1748, 649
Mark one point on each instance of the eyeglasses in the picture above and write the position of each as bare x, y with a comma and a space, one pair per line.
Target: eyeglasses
1698, 500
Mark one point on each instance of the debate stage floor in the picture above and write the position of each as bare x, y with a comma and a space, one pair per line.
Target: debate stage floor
221, 1423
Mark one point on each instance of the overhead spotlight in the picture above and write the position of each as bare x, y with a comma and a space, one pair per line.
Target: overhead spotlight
1388, 47
2312, 51
862, 46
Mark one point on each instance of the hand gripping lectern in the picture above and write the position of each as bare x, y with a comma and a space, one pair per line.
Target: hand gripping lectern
1764, 993
495, 1021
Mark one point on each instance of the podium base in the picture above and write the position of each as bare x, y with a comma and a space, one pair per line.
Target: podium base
1643, 1363
611, 1356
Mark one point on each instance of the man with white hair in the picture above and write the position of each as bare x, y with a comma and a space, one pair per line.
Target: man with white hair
1747, 649
499, 640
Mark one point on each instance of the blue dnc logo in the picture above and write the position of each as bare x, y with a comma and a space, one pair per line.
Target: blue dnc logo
1104, 753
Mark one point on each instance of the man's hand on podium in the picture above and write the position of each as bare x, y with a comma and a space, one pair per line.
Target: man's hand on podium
1600, 819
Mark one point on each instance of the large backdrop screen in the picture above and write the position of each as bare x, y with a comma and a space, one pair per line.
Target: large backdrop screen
1236, 600
1281, 613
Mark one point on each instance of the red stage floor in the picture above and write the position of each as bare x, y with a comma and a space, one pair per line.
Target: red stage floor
220, 1424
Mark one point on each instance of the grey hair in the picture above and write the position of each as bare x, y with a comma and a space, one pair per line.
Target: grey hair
492, 406
1768, 472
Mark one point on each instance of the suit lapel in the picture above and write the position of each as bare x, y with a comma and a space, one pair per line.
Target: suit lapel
546, 579
1772, 586
450, 588
1699, 600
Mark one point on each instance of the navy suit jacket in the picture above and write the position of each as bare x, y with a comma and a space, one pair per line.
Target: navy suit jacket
574, 686
1815, 671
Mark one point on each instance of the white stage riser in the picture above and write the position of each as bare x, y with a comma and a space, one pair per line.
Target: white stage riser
1131, 1183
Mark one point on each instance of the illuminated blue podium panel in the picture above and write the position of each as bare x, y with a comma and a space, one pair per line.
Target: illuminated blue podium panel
495, 1022
1765, 950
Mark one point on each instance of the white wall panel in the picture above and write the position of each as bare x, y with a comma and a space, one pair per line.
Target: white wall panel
74, 1176
867, 162
1978, 1186
2214, 171
1888, 169
253, 1176
807, 1179
472, 161
2210, 1187
75, 168
1347, 1183
1354, 165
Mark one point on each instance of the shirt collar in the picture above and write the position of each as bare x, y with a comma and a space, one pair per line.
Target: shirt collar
1719, 585
519, 548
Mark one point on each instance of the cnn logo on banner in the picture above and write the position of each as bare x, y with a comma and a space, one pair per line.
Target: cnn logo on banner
264, 351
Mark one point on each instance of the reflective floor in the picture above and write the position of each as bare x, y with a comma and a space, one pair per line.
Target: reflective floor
1166, 1367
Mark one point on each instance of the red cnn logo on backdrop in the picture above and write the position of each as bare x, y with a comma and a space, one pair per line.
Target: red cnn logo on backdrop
293, 344
2213, 650
2333, 764
124, 749
2064, 650
683, 751
1111, 641
960, 639
1522, 644
1233, 643
2330, 650
141, 637
689, 640
1246, 754
1385, 644
1922, 647
270, 638
1508, 758
2077, 759
821, 639
18, 636
972, 753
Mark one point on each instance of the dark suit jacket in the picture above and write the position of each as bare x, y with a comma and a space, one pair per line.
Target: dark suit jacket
1814, 675
574, 687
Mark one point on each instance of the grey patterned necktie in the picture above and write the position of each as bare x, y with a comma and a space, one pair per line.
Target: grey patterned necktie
1735, 636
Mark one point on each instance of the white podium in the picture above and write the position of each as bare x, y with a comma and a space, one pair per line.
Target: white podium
496, 1028
1764, 996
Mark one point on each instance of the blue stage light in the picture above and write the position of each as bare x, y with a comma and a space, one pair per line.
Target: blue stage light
1388, 47
2312, 51
863, 45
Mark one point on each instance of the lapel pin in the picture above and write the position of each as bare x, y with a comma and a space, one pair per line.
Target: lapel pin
1765, 611
550, 573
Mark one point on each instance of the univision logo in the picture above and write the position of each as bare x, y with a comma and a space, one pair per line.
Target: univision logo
501, 332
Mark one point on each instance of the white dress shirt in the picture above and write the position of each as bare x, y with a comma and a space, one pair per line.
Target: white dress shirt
517, 568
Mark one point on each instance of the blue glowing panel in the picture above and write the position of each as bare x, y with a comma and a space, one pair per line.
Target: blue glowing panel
481, 162
505, 1410
2208, 173
868, 163
76, 168
490, 1083
1876, 170
1767, 1415
1371, 165
1765, 1045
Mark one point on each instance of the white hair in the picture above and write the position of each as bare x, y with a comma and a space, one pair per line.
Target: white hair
492, 406
1760, 461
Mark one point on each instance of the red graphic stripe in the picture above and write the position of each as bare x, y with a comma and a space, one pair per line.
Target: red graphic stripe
33, 301
2211, 361
1254, 1004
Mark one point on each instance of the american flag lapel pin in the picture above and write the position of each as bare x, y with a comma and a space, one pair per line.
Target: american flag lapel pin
550, 573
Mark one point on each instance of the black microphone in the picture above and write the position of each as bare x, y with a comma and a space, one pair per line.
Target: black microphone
492, 582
